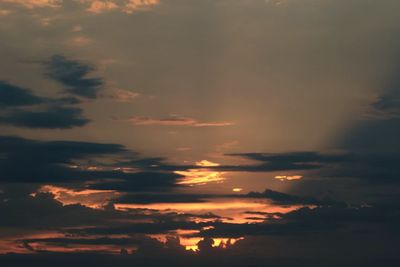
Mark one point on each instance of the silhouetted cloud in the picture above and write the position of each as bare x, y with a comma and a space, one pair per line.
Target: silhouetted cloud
73, 75
162, 198
59, 161
42, 211
13, 96
22, 108
51, 118
275, 196
139, 181
288, 199
372, 167
311, 220
85, 241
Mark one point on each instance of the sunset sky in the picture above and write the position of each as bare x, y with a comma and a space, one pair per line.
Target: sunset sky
199, 133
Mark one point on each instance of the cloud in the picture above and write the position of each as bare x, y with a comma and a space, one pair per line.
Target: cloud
5, 12
73, 75
81, 41
15, 96
133, 5
176, 121
275, 197
43, 212
120, 95
51, 118
72, 162
97, 6
310, 220
368, 167
47, 161
161, 198
35, 3
126, 6
12, 96
386, 106
139, 181
85, 241
43, 112
287, 199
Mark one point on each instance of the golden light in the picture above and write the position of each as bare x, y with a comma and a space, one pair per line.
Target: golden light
288, 178
206, 163
201, 176
95, 199
230, 210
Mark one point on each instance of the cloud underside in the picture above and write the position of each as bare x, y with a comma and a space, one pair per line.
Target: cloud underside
149, 181
75, 227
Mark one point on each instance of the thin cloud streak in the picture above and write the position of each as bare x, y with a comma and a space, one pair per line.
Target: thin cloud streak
176, 121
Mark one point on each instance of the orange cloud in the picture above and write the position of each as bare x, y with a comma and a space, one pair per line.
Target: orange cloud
101, 6
201, 176
176, 121
90, 198
237, 189
35, 3
127, 6
4, 12
288, 178
133, 5
206, 163
231, 210
120, 95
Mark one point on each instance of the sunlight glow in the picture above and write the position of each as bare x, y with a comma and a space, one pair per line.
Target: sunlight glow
201, 176
288, 178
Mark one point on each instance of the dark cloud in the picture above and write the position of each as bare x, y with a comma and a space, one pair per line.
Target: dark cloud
51, 118
288, 199
72, 162
139, 181
371, 167
65, 101
307, 160
74, 76
162, 198
319, 220
388, 106
43, 212
160, 227
231, 258
51, 114
275, 196
44, 161
60, 241
13, 96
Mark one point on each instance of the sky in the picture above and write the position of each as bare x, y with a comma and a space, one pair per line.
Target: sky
204, 133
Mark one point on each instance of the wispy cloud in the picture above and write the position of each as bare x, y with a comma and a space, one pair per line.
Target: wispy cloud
4, 12
120, 95
177, 121
126, 6
73, 75
35, 3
